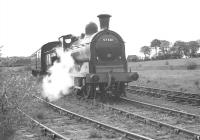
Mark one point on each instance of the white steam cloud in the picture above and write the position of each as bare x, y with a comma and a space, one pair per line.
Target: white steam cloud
59, 81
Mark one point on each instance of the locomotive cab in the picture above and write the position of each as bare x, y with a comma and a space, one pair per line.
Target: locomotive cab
67, 40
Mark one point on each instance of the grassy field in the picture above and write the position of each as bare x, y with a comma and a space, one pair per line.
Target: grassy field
15, 61
171, 64
158, 74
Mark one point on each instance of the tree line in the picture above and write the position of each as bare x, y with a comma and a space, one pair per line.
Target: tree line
166, 50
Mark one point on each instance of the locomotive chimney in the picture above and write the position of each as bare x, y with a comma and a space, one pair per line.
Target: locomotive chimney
104, 21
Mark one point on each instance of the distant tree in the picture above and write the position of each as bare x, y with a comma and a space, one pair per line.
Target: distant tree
193, 47
189, 49
155, 44
146, 50
198, 54
164, 47
132, 58
179, 48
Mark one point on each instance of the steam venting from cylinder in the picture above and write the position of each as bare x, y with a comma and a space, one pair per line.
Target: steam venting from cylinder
59, 81
104, 21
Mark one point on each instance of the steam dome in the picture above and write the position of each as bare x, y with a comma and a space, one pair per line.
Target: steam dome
91, 28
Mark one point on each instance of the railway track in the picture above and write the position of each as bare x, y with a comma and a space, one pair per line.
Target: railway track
175, 96
56, 125
155, 114
129, 110
130, 113
160, 108
163, 130
104, 126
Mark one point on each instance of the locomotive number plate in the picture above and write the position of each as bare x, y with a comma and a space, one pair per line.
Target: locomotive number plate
108, 39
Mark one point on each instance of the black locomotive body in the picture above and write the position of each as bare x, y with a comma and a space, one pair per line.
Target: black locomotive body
100, 64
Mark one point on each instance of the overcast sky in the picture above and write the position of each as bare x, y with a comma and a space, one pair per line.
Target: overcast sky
25, 25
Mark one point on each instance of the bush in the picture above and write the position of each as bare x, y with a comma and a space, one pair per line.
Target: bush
8, 117
191, 65
166, 63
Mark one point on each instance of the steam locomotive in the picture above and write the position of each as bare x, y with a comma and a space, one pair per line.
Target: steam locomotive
99, 60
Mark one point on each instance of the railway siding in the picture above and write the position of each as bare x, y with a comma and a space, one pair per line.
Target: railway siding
183, 123
130, 122
174, 96
58, 125
177, 120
